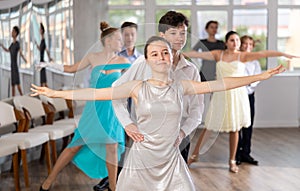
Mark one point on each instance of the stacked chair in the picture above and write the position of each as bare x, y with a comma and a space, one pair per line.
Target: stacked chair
20, 141
37, 109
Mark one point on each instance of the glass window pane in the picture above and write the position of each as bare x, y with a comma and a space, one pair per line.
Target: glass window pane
15, 12
250, 2
252, 22
39, 9
58, 38
204, 16
52, 7
288, 34
288, 2
52, 36
25, 40
4, 13
174, 2
36, 19
6, 40
126, 2
212, 2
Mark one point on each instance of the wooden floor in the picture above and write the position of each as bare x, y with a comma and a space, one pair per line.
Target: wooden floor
277, 149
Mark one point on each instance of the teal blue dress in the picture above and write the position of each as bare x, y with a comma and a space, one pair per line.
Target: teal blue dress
98, 126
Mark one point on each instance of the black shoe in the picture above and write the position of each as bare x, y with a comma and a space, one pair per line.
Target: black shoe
42, 189
238, 160
103, 185
250, 160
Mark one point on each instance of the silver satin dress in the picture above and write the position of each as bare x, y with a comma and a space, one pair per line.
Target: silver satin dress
156, 164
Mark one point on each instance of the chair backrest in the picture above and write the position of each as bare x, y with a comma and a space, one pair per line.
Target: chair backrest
7, 115
59, 103
33, 105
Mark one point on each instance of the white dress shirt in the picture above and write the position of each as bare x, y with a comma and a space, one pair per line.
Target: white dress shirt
252, 68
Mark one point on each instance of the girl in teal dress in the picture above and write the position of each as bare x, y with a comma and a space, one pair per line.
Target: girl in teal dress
99, 138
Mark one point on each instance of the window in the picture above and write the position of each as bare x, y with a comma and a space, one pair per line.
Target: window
204, 16
252, 22
288, 34
117, 17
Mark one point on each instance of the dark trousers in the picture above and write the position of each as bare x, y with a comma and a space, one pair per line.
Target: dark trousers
245, 134
185, 148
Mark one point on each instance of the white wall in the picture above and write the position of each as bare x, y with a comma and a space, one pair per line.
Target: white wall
277, 101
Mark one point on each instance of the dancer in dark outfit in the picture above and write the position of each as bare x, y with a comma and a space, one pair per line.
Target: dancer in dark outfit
14, 49
42, 48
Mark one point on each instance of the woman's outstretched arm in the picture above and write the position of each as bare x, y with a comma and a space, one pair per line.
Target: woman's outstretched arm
193, 87
249, 56
124, 91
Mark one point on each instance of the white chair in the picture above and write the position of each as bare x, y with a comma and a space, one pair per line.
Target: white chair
35, 108
60, 105
23, 140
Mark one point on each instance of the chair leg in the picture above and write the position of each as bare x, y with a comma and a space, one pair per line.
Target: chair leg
42, 156
65, 142
25, 167
16, 171
54, 154
47, 155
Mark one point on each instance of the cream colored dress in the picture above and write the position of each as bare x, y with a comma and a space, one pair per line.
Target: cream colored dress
156, 164
229, 111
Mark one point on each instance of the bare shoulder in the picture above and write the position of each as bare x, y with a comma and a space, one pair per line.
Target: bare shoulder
121, 60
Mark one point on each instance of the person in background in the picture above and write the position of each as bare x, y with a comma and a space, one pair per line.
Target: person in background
229, 111
129, 34
14, 49
208, 67
155, 162
42, 48
129, 51
245, 134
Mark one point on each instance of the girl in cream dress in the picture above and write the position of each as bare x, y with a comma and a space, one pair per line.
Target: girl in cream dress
229, 111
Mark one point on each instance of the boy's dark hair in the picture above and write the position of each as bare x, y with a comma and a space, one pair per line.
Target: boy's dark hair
172, 19
16, 28
211, 22
128, 24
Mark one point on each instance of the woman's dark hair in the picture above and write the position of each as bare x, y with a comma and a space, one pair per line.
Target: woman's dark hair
42, 28
16, 29
211, 22
229, 34
106, 31
172, 19
154, 39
